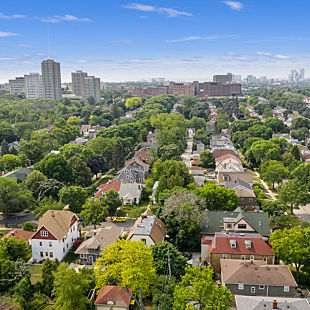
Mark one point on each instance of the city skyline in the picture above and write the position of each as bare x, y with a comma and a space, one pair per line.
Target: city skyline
177, 40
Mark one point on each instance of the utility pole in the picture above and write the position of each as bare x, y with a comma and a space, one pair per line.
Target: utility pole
169, 266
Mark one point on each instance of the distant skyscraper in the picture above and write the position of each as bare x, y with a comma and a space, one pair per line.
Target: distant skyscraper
17, 86
302, 74
51, 79
236, 78
33, 86
85, 86
227, 78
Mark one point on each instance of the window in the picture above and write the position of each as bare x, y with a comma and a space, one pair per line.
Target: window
143, 240
44, 233
51, 254
243, 257
67, 245
241, 198
253, 289
50, 243
240, 286
259, 223
63, 249
242, 226
73, 228
40, 243
41, 254
252, 257
224, 256
232, 256
262, 287
228, 225
250, 199
265, 259
46, 253
286, 288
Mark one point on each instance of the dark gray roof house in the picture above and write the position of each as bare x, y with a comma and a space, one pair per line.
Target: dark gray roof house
237, 221
19, 174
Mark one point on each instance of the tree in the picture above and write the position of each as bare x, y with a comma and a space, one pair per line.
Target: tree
162, 292
23, 292
296, 152
207, 159
292, 246
294, 194
49, 187
55, 166
128, 264
6, 272
181, 214
47, 203
112, 201
286, 221
80, 173
275, 124
13, 249
70, 288
218, 198
133, 103
49, 268
74, 196
197, 286
4, 148
273, 207
84, 152
13, 197
93, 212
160, 255
33, 180
33, 150
274, 172
169, 152
28, 226
10, 162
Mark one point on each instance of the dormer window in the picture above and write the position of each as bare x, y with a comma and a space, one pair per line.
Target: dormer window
233, 244
248, 244
241, 226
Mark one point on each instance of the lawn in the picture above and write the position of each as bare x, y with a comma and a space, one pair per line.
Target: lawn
36, 275
71, 257
4, 232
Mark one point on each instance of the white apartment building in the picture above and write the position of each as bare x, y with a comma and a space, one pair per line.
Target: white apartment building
33, 86
16, 86
57, 230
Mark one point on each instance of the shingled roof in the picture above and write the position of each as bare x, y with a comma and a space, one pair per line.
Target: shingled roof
113, 295
213, 221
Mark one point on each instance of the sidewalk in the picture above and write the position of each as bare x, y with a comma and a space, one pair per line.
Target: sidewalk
270, 193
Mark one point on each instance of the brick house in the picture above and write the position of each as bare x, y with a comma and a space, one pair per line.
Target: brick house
255, 278
57, 230
244, 246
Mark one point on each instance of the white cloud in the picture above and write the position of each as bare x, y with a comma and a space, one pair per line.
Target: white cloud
234, 5
66, 17
7, 58
21, 46
15, 16
267, 54
81, 61
282, 56
191, 38
150, 8
263, 54
210, 37
4, 34
125, 42
143, 61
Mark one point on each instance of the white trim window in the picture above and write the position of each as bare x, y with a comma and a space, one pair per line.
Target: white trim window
261, 287
253, 290
240, 286
44, 233
242, 257
286, 289
252, 257
224, 256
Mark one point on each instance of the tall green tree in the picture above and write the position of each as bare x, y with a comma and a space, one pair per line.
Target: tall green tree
93, 212
70, 288
197, 286
128, 264
296, 152
112, 201
33, 181
274, 172
74, 196
207, 159
4, 148
10, 162
80, 173
49, 268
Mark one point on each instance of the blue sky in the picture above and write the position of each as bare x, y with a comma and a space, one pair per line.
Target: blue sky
121, 40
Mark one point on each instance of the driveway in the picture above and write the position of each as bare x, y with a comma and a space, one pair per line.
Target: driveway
186, 156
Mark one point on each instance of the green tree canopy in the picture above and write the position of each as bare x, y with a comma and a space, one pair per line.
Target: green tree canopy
207, 159
74, 196
93, 212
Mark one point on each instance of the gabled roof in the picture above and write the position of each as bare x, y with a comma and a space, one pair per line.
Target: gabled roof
19, 234
265, 303
213, 221
245, 176
143, 155
238, 183
132, 189
113, 295
57, 222
227, 156
137, 161
103, 188
255, 272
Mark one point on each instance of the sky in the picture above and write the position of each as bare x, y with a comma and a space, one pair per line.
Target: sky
180, 40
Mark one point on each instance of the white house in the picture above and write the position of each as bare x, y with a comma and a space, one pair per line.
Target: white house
148, 228
56, 233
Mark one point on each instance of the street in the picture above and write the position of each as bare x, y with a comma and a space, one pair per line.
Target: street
186, 156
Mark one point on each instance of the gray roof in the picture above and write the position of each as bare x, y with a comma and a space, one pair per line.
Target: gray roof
265, 303
133, 189
237, 183
21, 174
213, 221
144, 227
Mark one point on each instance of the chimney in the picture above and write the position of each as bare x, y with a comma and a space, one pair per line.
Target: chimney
52, 213
274, 305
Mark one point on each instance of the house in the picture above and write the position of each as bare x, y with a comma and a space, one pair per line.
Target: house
133, 172
223, 151
226, 176
19, 234
97, 240
19, 174
148, 228
271, 303
130, 193
244, 246
57, 230
199, 181
103, 188
143, 155
137, 165
229, 165
255, 278
196, 171
112, 298
234, 221
226, 156
247, 197
191, 132
84, 130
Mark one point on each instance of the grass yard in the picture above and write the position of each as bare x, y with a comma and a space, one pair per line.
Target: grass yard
71, 257
4, 232
36, 275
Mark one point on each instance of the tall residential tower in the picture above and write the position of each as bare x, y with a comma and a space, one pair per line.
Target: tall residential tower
33, 86
51, 80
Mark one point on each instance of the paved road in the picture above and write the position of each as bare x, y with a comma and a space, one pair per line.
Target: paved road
270, 193
186, 156
303, 213
18, 219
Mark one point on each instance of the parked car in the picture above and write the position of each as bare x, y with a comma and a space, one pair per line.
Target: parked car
119, 219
